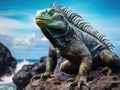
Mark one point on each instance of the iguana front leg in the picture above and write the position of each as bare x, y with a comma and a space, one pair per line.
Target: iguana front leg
50, 64
84, 68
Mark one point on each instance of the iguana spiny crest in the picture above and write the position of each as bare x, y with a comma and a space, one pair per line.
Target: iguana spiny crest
78, 21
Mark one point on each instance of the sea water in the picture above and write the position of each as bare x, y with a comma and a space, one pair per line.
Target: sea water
7, 83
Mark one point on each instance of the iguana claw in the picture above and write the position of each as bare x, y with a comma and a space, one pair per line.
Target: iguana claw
43, 76
79, 82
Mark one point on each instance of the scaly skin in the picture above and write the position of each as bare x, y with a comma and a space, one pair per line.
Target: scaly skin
79, 57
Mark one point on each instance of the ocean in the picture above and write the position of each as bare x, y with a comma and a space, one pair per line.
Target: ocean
7, 83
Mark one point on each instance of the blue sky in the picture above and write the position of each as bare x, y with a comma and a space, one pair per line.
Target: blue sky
22, 36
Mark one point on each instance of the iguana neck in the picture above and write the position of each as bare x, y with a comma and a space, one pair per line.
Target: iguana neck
67, 39
61, 40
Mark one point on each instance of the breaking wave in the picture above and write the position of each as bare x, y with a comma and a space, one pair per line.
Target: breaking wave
6, 82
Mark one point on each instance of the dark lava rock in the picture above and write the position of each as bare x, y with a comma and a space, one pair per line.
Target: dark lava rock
23, 76
96, 80
7, 61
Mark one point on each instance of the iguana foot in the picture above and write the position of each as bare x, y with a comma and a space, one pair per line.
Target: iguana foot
79, 81
106, 69
43, 76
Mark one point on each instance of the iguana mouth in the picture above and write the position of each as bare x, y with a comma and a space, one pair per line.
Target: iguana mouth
41, 18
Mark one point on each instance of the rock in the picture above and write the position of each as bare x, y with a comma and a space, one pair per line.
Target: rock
7, 61
106, 83
23, 77
96, 80
47, 85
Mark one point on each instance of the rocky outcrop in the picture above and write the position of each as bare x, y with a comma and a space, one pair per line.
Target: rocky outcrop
7, 61
96, 80
23, 77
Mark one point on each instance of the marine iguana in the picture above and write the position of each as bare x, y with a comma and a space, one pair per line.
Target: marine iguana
76, 40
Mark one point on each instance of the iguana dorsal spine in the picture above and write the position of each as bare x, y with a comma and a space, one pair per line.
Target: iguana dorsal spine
78, 21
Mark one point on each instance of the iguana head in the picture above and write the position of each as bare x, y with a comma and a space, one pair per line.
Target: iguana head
51, 20
54, 25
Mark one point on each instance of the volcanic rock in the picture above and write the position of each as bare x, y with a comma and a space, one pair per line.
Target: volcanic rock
7, 61
23, 76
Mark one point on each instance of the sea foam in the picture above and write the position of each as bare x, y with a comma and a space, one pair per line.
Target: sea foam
8, 79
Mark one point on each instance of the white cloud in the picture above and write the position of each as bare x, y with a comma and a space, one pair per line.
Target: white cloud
6, 40
11, 26
5, 13
33, 40
27, 46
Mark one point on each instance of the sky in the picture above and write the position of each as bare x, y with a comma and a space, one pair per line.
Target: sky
23, 37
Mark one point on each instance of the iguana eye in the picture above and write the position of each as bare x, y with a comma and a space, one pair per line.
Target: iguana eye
44, 14
52, 12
